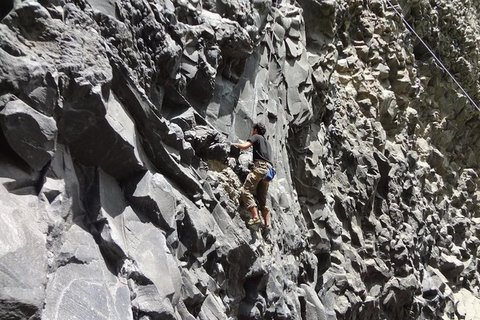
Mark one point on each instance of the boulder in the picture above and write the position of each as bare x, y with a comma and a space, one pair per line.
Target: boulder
23, 256
83, 286
31, 134
154, 196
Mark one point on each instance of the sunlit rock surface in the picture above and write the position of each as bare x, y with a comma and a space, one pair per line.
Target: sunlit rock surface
119, 192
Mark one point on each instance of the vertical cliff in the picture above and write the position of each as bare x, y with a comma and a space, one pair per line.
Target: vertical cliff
119, 187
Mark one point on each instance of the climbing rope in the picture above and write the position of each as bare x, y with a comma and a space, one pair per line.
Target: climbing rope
409, 27
271, 39
274, 16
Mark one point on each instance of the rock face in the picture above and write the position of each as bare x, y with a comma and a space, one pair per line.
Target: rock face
119, 187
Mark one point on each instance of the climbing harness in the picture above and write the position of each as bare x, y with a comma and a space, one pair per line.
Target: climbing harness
409, 27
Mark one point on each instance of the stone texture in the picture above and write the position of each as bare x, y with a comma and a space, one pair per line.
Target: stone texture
120, 186
23, 256
31, 134
82, 286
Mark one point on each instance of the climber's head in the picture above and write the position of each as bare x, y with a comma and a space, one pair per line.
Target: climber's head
260, 127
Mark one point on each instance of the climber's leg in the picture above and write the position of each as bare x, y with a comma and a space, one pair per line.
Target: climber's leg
247, 192
262, 193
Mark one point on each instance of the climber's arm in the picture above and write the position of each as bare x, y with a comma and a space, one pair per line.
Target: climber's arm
244, 145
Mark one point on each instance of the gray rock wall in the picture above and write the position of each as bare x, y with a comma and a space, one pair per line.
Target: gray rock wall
119, 187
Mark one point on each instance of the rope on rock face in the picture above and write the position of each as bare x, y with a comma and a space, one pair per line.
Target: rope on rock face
409, 27
271, 40
274, 16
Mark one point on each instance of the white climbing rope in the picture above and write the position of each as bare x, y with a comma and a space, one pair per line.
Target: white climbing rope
272, 30
271, 39
409, 27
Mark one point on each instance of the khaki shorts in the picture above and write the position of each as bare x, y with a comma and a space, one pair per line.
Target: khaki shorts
255, 182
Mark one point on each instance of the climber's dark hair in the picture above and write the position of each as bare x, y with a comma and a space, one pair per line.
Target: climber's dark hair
260, 127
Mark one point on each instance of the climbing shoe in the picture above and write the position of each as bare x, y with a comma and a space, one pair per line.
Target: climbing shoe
266, 230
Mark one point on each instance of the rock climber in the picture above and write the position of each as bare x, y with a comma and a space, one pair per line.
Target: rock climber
262, 155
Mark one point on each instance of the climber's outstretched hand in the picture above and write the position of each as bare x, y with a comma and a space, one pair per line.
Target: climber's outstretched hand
243, 145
